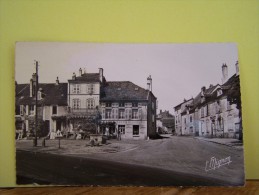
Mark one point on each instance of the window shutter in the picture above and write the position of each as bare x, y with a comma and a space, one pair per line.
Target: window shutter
140, 113
116, 113
130, 114
112, 113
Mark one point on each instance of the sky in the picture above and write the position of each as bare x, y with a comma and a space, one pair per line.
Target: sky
178, 71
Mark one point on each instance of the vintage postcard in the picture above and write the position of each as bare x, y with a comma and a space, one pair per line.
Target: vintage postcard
128, 114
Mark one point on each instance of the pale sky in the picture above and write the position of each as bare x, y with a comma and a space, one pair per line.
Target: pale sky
178, 71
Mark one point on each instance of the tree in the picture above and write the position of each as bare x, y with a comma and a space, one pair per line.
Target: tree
234, 97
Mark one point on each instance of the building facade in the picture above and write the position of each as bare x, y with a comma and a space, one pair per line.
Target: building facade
88, 103
210, 113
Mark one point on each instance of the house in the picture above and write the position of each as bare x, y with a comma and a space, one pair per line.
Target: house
89, 103
51, 106
210, 113
165, 122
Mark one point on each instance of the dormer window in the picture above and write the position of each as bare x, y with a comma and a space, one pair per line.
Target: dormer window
219, 92
54, 110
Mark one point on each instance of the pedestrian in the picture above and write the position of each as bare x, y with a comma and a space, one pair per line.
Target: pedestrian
119, 134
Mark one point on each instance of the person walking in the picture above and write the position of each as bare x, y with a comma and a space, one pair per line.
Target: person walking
119, 134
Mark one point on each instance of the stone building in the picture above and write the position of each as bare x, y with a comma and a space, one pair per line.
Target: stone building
86, 102
51, 106
165, 122
210, 113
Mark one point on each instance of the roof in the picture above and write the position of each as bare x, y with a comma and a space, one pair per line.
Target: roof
87, 77
165, 114
231, 80
53, 94
179, 105
122, 90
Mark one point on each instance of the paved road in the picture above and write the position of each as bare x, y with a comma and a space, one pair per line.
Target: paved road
172, 161
45, 168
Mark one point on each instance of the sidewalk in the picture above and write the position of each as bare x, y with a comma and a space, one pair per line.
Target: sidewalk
75, 146
224, 141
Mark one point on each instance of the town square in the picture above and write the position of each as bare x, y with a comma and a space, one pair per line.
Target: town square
86, 127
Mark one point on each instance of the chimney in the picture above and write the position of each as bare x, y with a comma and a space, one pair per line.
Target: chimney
237, 68
80, 72
149, 83
57, 81
224, 73
160, 111
203, 91
74, 76
101, 74
84, 71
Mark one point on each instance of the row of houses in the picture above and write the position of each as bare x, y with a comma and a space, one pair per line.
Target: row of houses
85, 102
211, 113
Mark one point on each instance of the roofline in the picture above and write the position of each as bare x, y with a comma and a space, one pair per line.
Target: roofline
183, 102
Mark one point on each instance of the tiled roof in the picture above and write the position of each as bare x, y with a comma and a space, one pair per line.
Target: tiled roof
87, 77
210, 94
231, 80
122, 90
54, 94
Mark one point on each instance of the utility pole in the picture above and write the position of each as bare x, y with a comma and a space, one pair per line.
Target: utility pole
36, 104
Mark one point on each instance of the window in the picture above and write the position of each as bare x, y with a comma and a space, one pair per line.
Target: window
115, 104
121, 114
219, 92
135, 129
122, 104
134, 104
22, 109
202, 112
108, 104
218, 107
76, 88
90, 103
190, 119
108, 113
76, 103
128, 104
54, 109
91, 88
228, 105
184, 120
17, 110
31, 109
130, 114
116, 113
135, 114
153, 106
121, 128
